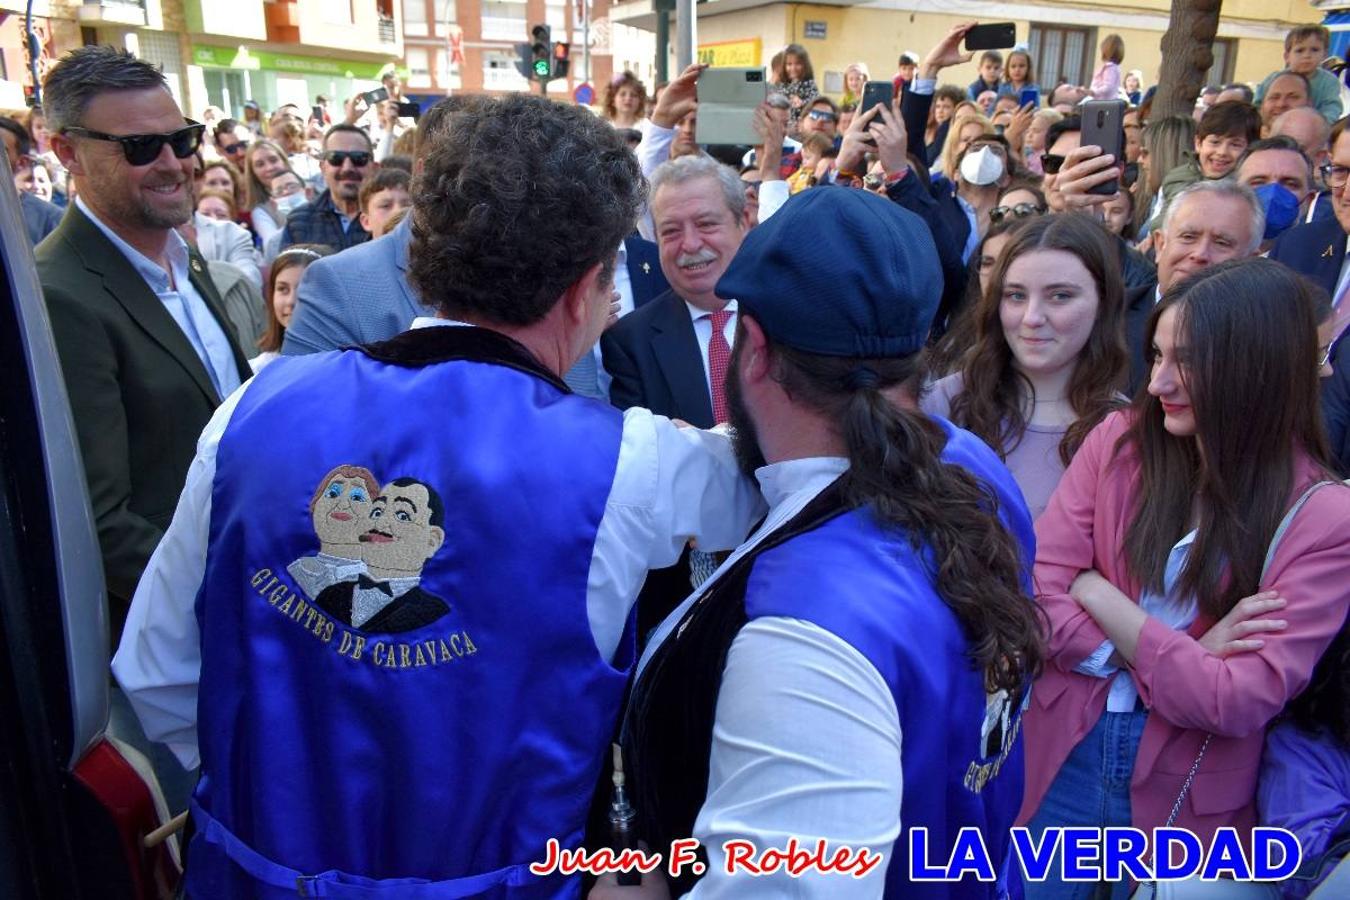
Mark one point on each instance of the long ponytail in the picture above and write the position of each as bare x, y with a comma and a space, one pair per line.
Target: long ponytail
896, 469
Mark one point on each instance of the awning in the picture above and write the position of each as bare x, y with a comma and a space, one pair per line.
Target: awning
1337, 21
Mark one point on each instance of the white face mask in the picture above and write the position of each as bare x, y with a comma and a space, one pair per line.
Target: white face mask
290, 204
982, 167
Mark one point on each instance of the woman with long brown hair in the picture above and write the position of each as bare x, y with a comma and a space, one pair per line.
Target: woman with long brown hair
1181, 622
1048, 358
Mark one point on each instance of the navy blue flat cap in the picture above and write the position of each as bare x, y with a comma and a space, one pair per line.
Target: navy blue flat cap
839, 272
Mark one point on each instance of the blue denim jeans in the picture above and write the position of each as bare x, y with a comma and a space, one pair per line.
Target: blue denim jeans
1092, 789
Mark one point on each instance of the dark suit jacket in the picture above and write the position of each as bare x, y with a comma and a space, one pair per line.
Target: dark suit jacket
1336, 406
1316, 250
654, 358
644, 270
1139, 303
139, 393
409, 611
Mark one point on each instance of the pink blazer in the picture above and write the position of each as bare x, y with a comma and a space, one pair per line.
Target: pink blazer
1187, 691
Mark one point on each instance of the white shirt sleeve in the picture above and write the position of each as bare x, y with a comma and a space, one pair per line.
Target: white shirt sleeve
806, 744
772, 196
654, 150
671, 484
159, 660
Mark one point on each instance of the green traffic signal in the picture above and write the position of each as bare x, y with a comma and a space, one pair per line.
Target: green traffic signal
541, 68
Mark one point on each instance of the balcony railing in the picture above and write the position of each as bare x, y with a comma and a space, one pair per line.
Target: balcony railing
388, 33
500, 28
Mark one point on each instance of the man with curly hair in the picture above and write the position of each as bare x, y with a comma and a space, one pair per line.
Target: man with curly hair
336, 754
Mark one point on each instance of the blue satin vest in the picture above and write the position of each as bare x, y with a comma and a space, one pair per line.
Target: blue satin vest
400, 692
882, 602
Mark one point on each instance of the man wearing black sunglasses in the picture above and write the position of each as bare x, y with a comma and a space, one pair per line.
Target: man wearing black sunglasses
146, 349
232, 140
334, 217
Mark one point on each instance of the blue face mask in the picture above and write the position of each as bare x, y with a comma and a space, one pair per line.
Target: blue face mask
1281, 206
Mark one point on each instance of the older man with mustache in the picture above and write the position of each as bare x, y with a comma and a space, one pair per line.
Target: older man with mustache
671, 355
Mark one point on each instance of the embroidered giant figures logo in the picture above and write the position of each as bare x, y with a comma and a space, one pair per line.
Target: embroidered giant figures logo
373, 543
366, 578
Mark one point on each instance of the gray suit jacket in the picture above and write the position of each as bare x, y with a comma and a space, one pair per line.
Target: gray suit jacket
357, 296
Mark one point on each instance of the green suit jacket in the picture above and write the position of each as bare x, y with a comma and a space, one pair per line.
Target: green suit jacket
139, 393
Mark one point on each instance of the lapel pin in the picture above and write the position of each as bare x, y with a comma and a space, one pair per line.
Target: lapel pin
197, 266
1328, 253
646, 268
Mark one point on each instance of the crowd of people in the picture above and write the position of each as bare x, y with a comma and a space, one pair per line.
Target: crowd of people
887, 475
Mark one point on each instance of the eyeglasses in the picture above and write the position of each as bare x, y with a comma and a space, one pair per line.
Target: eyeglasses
1017, 210
359, 158
143, 149
234, 149
1051, 163
1334, 176
821, 115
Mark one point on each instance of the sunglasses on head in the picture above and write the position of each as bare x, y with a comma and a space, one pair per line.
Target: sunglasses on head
336, 158
1017, 210
1051, 163
143, 149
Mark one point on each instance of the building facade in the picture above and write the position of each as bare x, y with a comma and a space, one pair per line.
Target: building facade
219, 52
470, 45
1063, 38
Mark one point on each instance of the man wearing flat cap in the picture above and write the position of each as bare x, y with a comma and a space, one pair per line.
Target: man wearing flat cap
794, 695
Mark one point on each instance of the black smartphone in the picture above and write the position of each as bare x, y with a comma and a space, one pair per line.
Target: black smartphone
316, 112
874, 93
1104, 126
996, 36
379, 95
409, 109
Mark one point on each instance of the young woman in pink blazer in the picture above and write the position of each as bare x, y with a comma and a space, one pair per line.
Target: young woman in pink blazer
1163, 629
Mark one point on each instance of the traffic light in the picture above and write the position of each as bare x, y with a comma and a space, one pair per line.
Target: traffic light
541, 51
561, 52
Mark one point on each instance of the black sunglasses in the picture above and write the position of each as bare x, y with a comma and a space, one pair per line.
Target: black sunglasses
1051, 163
143, 149
336, 158
232, 149
1018, 210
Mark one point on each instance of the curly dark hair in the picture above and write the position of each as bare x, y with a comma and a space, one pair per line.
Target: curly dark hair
517, 201
624, 79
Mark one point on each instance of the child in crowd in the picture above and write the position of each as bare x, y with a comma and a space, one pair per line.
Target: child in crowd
1304, 49
384, 194
1134, 86
798, 81
904, 72
1019, 75
1223, 134
280, 301
991, 75
815, 147
1106, 80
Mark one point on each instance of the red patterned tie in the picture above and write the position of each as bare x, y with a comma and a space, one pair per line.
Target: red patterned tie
719, 357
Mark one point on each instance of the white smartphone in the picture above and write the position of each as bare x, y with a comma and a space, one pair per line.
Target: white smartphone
727, 98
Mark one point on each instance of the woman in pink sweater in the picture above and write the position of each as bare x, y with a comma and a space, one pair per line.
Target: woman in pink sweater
1166, 635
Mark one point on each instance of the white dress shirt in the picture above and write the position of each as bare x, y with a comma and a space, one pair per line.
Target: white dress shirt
182, 301
703, 332
806, 739
670, 484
